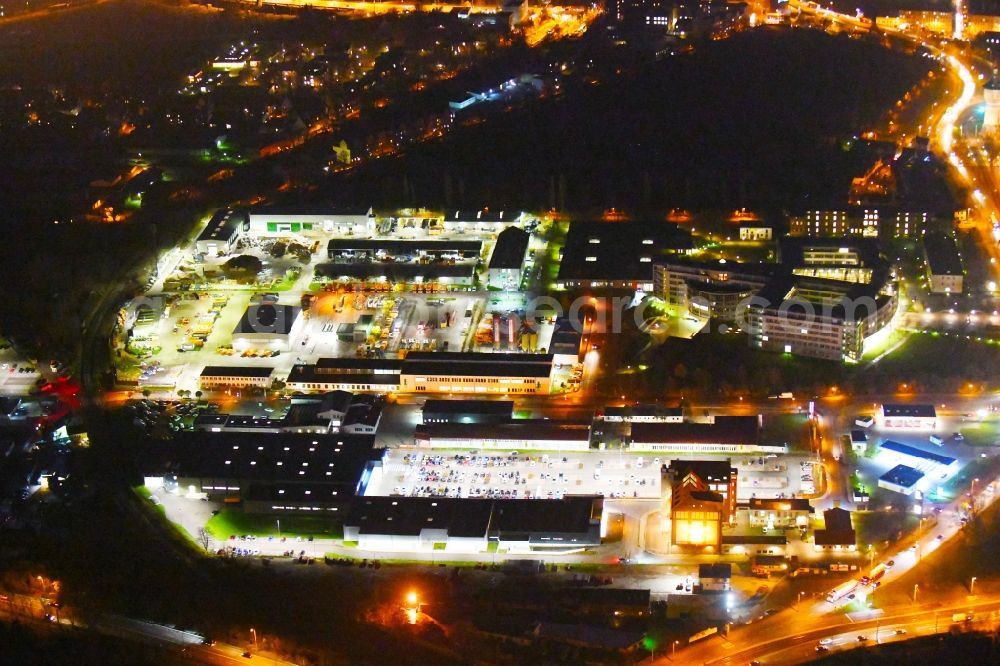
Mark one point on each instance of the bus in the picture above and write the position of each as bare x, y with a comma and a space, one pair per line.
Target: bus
877, 572
842, 591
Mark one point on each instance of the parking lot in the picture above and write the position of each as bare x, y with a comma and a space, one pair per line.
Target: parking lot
503, 475
765, 477
17, 375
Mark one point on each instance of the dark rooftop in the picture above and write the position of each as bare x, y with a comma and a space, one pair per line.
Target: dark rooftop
712, 471
223, 224
914, 452
396, 271
897, 410
838, 520
718, 570
902, 475
755, 539
482, 215
299, 209
510, 248
235, 371
469, 517
268, 318
792, 249
519, 429
492, 407
725, 430
265, 457
942, 254
780, 504
619, 250
333, 365
393, 246
470, 364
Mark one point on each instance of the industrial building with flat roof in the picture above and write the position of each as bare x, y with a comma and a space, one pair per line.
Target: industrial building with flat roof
373, 248
398, 272
414, 524
467, 411
516, 435
268, 326
901, 479
924, 460
223, 230
380, 375
298, 219
508, 257
482, 219
323, 413
727, 435
642, 413
429, 372
298, 472
618, 254
916, 416
469, 372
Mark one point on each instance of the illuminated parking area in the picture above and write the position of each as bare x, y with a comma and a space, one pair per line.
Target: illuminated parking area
529, 475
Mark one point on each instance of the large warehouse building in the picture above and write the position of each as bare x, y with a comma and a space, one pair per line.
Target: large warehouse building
268, 472
466, 372
618, 254
424, 524
911, 416
308, 220
726, 435
429, 372
519, 434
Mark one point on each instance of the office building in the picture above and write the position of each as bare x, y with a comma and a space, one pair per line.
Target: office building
235, 377
779, 513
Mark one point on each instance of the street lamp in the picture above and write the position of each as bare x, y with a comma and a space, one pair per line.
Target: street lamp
972, 586
916, 588
253, 632
673, 648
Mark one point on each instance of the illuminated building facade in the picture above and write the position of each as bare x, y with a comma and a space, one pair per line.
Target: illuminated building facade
717, 476
696, 514
866, 221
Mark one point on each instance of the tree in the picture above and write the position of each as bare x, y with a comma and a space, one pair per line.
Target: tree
198, 394
243, 267
204, 538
